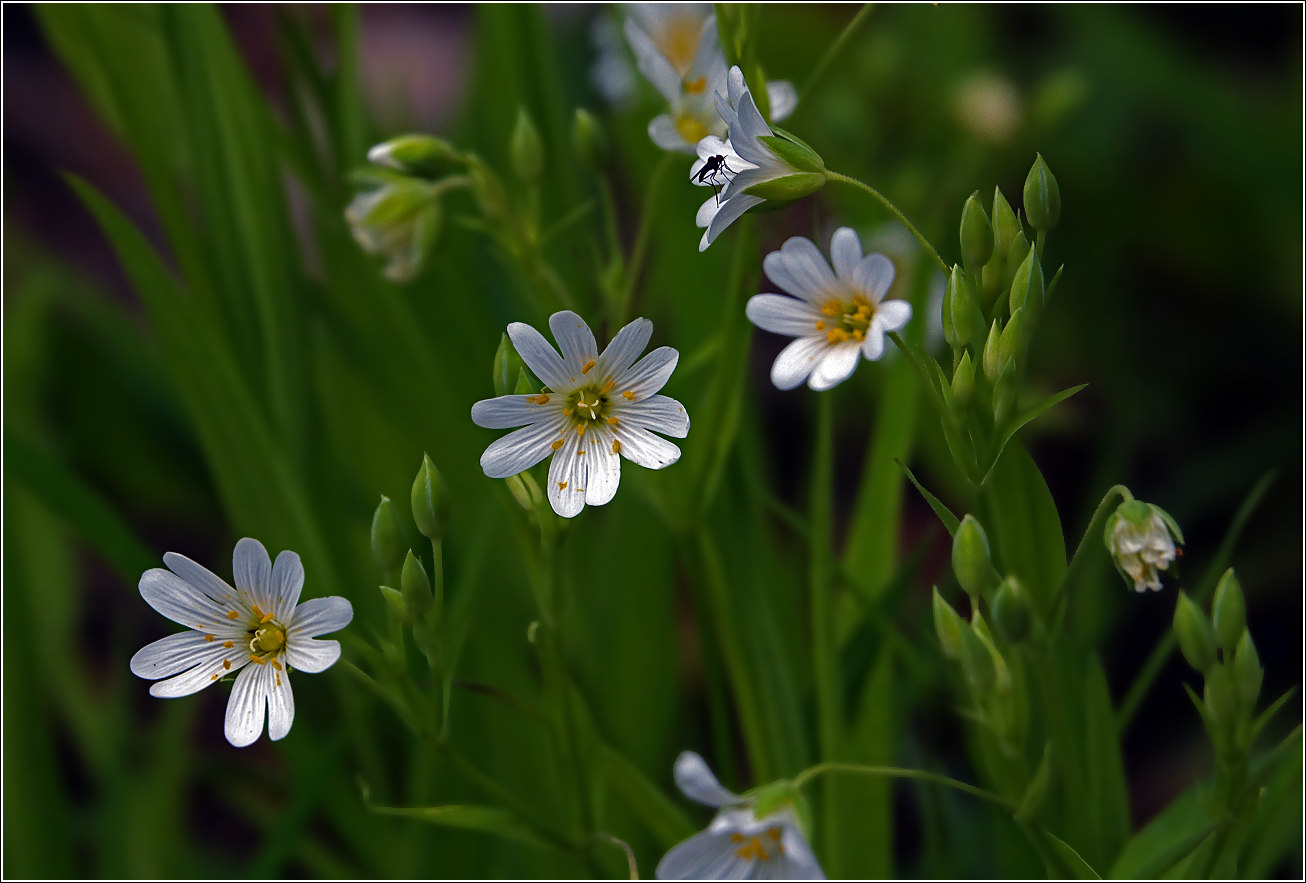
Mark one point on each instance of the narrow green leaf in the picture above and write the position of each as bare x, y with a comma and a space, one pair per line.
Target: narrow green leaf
1165, 840
1079, 868
950, 521
471, 817
647, 801
1023, 525
1024, 417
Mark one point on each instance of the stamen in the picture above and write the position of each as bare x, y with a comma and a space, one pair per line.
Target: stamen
629, 394
209, 638
228, 644
613, 421
567, 412
580, 428
588, 365
541, 399
213, 678
773, 833
693, 87
278, 680
562, 485
736, 837
607, 386
277, 665
832, 309
616, 446
257, 612
265, 619
836, 335
859, 333
253, 658
226, 663
231, 614
557, 444
579, 452
281, 636
820, 326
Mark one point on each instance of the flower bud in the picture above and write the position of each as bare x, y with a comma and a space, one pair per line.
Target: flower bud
1196, 637
1247, 672
1229, 612
524, 386
430, 499
794, 152
949, 625
958, 310
394, 603
1141, 539
413, 154
1005, 225
525, 490
1004, 393
971, 560
1015, 257
1011, 343
1221, 696
507, 365
1042, 196
526, 150
992, 365
415, 586
1027, 285
976, 233
388, 542
976, 661
1011, 616
963, 382
400, 221
589, 141
789, 187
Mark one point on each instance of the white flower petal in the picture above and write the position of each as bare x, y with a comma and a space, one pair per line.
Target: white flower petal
873, 276
603, 467
287, 583
696, 781
838, 364
203, 579
245, 708
505, 412
736, 85
658, 413
796, 361
783, 315
648, 375
575, 340
520, 450
168, 656
281, 704
707, 211
204, 672
730, 211
783, 98
798, 856
702, 857
320, 616
567, 474
800, 269
541, 358
651, 63
708, 147
710, 54
893, 315
662, 130
252, 569
311, 656
643, 447
181, 602
873, 345
624, 349
845, 253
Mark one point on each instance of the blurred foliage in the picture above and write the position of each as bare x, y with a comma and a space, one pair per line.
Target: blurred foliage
265, 380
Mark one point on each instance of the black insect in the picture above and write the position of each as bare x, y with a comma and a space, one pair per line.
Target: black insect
715, 165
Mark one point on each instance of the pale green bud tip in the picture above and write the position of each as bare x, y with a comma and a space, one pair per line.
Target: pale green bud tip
526, 149
958, 310
992, 367
394, 601
971, 560
523, 386
412, 153
388, 543
1042, 196
963, 382
507, 366
415, 586
976, 661
590, 142
1229, 612
1009, 343
430, 499
794, 151
1005, 225
1196, 637
949, 625
1247, 673
1011, 615
976, 233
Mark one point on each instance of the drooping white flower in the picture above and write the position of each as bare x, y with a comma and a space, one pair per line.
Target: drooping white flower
595, 409
398, 220
612, 73
1141, 539
737, 845
258, 629
836, 317
770, 164
676, 47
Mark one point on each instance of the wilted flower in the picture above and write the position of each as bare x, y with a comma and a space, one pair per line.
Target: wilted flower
594, 408
398, 220
1141, 539
258, 622
737, 845
836, 317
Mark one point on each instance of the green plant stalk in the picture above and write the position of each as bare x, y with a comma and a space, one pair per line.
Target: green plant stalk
1091, 535
435, 621
836, 49
896, 212
899, 773
652, 198
820, 587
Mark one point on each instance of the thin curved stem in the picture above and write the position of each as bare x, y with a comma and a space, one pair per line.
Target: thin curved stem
1094, 528
896, 212
900, 773
837, 47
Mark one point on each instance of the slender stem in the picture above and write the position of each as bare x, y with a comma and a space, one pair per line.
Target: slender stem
900, 773
894, 210
652, 197
841, 42
631, 864
824, 664
610, 218
1093, 530
435, 621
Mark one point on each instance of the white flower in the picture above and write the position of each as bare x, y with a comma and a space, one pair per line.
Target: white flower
257, 622
594, 408
398, 220
756, 162
835, 317
612, 74
1141, 538
677, 49
736, 845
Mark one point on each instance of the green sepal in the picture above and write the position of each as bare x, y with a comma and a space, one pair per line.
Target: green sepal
963, 382
770, 798
526, 149
423, 155
1027, 285
430, 500
1005, 225
789, 187
813, 160
976, 233
1195, 634
415, 587
505, 367
1011, 613
949, 625
388, 541
1247, 672
1229, 612
976, 662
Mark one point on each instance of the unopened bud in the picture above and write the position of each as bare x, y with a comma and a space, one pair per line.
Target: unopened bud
1015, 257
524, 386
1011, 615
1220, 695
1011, 343
1005, 225
1247, 672
430, 499
992, 364
949, 625
1042, 196
1027, 285
525, 490
394, 603
958, 310
413, 154
507, 365
1196, 637
976, 234
400, 221
415, 586
526, 149
590, 142
971, 560
1229, 612
388, 542
976, 661
963, 382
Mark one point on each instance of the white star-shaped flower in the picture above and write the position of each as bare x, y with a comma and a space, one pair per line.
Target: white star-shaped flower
836, 317
595, 410
737, 845
258, 628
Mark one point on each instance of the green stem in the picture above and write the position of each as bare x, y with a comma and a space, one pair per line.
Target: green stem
837, 47
1093, 530
824, 663
610, 218
435, 621
652, 197
900, 773
894, 210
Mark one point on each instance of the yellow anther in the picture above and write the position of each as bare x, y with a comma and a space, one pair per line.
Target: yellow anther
832, 309
567, 412
694, 87
773, 833
281, 636
541, 399
228, 644
231, 614
580, 452
588, 365
226, 663
265, 619
820, 326
557, 444
209, 638
836, 335
736, 837
613, 421
616, 446
277, 665
580, 428
278, 680
257, 612
213, 678
607, 386
629, 395
859, 333
562, 485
